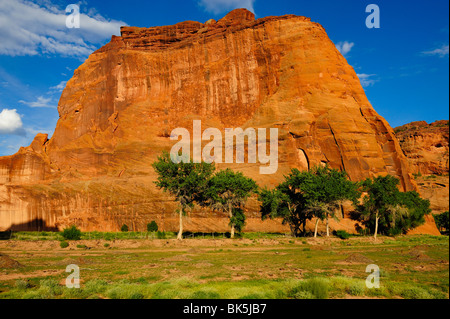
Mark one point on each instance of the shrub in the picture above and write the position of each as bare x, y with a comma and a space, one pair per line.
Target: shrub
356, 289
304, 295
48, 289
124, 228
106, 245
63, 244
125, 291
96, 286
161, 235
81, 246
393, 232
205, 294
412, 292
72, 233
136, 295
342, 234
109, 236
317, 287
22, 284
152, 227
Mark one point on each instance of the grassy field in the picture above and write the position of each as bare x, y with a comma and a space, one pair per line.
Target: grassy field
257, 266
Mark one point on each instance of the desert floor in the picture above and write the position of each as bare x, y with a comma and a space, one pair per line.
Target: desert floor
256, 266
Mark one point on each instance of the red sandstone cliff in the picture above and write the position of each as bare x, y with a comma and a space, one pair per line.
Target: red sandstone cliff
117, 112
426, 147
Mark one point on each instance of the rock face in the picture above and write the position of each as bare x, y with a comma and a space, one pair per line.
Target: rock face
121, 105
436, 190
426, 146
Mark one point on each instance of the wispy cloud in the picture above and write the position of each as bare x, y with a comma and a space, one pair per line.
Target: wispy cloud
367, 79
40, 102
11, 123
441, 51
345, 47
58, 88
221, 6
27, 28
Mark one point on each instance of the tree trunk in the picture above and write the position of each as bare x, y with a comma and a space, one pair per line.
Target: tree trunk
304, 228
293, 231
376, 226
328, 228
230, 212
180, 232
315, 228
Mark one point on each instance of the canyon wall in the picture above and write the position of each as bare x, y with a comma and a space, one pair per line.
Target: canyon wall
118, 110
426, 147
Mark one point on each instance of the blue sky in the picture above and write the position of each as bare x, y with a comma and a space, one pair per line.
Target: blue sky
403, 65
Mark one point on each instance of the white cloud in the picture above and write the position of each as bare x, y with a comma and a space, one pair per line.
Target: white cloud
345, 47
221, 6
30, 29
11, 123
366, 79
58, 88
40, 102
441, 52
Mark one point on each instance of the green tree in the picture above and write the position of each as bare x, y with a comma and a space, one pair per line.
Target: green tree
304, 195
152, 227
442, 221
381, 199
387, 210
286, 202
416, 208
228, 191
72, 233
186, 181
325, 191
124, 228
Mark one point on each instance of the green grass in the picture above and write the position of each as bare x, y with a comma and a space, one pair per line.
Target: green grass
186, 288
37, 236
231, 269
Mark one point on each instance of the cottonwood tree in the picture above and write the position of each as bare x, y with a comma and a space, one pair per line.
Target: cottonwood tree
317, 193
442, 221
387, 210
325, 193
228, 191
286, 201
186, 181
418, 209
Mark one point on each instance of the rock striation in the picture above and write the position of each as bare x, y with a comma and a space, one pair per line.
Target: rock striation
426, 146
119, 108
